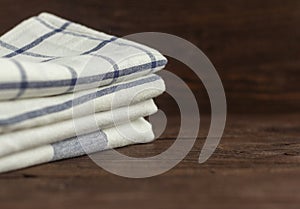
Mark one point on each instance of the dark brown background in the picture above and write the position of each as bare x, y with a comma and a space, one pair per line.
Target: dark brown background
254, 46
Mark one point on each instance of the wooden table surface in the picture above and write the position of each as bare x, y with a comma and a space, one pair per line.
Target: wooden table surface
254, 46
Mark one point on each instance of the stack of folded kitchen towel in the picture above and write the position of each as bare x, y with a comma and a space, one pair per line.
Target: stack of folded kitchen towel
51, 68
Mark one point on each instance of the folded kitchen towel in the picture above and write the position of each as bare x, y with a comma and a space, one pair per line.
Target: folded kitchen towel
27, 138
61, 82
89, 143
47, 55
28, 113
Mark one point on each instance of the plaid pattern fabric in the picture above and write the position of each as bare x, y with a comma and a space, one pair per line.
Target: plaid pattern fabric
27, 113
51, 68
47, 55
73, 147
17, 141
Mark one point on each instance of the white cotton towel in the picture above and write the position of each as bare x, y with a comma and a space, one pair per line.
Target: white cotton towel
28, 138
60, 82
89, 143
47, 55
28, 113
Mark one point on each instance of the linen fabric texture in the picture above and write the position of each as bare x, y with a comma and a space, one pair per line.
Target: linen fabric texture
67, 90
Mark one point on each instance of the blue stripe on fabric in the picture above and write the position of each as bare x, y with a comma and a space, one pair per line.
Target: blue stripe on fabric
102, 44
73, 80
151, 56
24, 83
109, 60
37, 41
68, 32
99, 46
84, 80
13, 48
80, 145
114, 65
116, 74
75, 102
53, 58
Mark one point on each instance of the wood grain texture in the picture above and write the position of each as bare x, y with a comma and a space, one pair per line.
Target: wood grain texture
254, 46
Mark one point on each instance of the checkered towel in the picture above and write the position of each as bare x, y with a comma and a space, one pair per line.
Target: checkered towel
16, 141
73, 147
28, 113
51, 68
47, 55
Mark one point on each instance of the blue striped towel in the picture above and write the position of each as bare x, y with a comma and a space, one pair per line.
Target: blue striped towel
47, 55
51, 68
